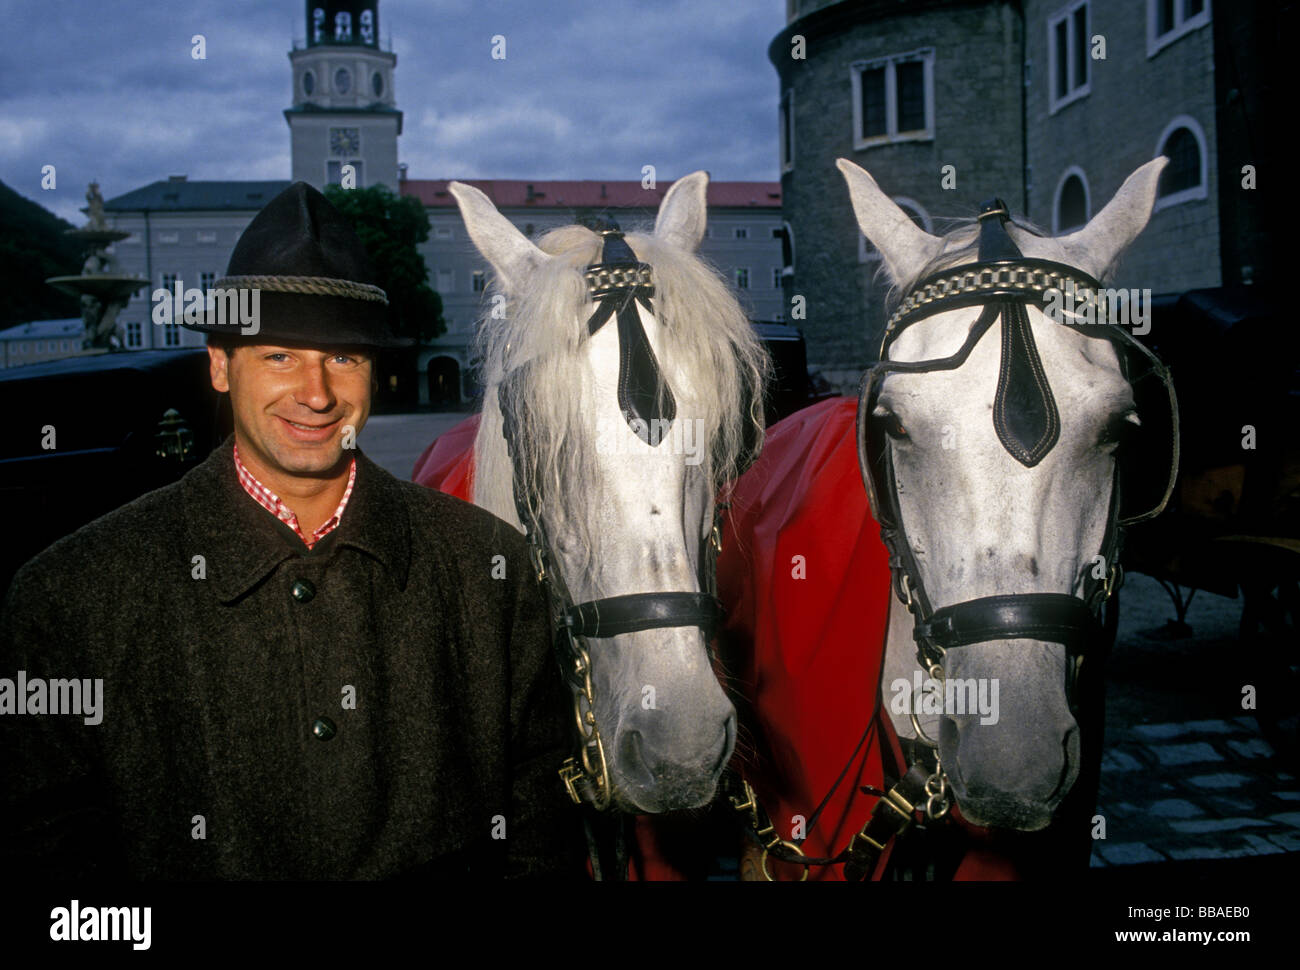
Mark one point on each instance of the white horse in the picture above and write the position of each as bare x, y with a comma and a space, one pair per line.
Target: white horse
980, 523
626, 504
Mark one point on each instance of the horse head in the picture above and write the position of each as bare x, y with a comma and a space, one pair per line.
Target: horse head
994, 464
623, 391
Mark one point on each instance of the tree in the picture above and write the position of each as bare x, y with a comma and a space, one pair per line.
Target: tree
391, 227
32, 247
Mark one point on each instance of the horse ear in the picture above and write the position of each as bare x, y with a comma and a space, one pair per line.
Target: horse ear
683, 212
510, 252
1096, 247
906, 248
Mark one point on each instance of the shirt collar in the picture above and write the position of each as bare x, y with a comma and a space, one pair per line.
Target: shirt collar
241, 545
266, 498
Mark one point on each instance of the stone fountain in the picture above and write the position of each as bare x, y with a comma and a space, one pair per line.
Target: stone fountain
104, 291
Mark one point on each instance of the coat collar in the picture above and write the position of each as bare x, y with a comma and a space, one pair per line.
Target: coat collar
242, 543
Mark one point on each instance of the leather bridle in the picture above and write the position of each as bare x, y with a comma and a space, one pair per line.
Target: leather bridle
617, 284
1002, 281
1027, 423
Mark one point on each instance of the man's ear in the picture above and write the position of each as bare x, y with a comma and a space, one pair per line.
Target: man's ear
219, 369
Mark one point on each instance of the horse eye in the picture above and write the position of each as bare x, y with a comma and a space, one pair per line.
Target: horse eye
886, 421
1121, 429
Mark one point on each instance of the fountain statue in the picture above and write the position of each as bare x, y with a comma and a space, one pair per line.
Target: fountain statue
103, 289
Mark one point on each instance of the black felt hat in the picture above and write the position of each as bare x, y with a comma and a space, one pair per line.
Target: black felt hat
313, 280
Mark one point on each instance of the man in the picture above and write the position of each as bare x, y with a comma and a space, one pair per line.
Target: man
309, 668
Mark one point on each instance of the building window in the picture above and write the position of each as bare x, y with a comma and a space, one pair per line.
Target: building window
786, 235
446, 280
1067, 55
893, 99
40, 346
742, 278
1184, 178
868, 253
206, 280
741, 233
787, 130
1071, 209
171, 335
442, 232
478, 279
169, 281
134, 335
343, 29
776, 277
1167, 20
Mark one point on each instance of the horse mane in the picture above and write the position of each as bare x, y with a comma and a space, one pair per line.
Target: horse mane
529, 344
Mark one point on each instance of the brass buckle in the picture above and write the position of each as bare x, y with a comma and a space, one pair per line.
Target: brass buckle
570, 772
789, 845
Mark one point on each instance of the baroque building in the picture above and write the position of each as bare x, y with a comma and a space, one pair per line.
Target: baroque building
344, 125
1049, 104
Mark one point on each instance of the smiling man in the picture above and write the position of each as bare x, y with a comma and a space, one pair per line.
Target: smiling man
311, 670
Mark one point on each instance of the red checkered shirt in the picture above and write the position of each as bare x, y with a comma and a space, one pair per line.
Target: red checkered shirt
266, 498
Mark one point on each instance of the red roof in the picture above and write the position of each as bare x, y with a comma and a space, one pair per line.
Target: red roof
511, 193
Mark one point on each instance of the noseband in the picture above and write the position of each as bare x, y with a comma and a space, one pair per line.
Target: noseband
616, 284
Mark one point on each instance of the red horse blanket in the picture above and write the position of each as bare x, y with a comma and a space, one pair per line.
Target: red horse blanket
805, 580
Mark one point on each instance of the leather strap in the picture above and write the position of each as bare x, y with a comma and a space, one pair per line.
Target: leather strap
634, 612
893, 815
1053, 617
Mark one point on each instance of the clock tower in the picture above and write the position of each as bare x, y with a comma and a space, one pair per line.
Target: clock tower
344, 121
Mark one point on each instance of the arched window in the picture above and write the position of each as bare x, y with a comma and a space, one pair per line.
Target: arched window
343, 26
1183, 179
1184, 171
1071, 209
367, 26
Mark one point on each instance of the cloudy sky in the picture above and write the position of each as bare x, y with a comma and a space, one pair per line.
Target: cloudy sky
589, 89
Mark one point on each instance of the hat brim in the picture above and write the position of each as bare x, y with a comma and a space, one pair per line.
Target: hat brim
310, 319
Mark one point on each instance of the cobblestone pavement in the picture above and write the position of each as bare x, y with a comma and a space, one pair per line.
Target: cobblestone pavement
1186, 773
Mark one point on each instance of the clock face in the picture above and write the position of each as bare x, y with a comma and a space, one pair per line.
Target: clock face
345, 141
342, 80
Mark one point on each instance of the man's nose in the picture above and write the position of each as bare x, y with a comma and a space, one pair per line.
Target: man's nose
315, 391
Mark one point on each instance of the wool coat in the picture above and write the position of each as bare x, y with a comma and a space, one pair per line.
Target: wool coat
385, 704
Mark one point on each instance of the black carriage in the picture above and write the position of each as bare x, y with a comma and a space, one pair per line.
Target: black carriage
1232, 526
85, 435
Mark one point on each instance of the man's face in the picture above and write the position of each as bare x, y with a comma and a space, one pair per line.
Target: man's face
295, 408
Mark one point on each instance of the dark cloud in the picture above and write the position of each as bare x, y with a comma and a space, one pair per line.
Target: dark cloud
588, 89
